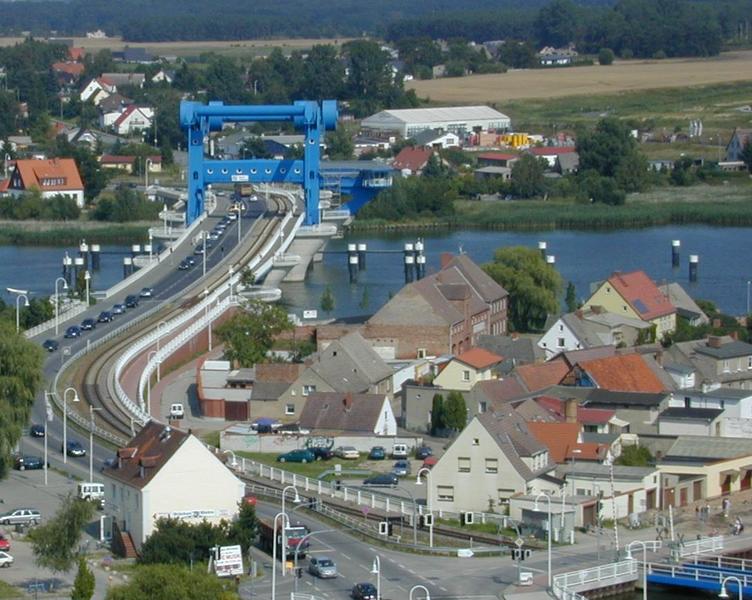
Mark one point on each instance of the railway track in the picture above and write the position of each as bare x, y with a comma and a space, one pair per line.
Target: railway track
92, 373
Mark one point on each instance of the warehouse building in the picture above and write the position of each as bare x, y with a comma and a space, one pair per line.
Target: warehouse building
456, 119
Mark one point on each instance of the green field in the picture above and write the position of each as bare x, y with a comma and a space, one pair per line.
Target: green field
313, 470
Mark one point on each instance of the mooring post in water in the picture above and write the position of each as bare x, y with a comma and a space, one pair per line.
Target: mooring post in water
353, 266
67, 268
127, 266
550, 259
694, 263
409, 262
675, 249
542, 247
95, 256
362, 256
135, 249
78, 267
420, 266
83, 252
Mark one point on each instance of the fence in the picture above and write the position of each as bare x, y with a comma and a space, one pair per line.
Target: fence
76, 308
701, 546
625, 570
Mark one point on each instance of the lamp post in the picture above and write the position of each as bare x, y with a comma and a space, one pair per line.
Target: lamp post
535, 508
159, 332
644, 564
724, 593
91, 442
296, 500
240, 223
419, 587
26, 304
203, 241
87, 278
234, 463
159, 363
147, 164
274, 550
57, 302
376, 570
65, 419
429, 499
297, 549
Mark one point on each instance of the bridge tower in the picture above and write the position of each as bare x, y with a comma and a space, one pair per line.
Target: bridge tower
312, 118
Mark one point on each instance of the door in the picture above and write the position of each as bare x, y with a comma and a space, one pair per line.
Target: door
726, 486
668, 497
588, 515
683, 497
697, 491
746, 481
650, 499
630, 504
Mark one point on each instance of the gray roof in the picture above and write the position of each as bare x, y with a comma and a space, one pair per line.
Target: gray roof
342, 412
582, 330
569, 161
599, 471
692, 448
427, 136
683, 302
478, 279
350, 364
609, 399
733, 349
520, 349
678, 368
590, 437
435, 115
268, 391
680, 413
722, 393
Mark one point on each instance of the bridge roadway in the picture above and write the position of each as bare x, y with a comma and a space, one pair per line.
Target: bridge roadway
170, 285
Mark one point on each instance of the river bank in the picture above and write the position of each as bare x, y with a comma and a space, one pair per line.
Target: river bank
59, 233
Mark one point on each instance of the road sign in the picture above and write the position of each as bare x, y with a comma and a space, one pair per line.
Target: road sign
519, 542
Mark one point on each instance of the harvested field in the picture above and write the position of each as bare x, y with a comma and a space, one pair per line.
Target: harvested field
622, 76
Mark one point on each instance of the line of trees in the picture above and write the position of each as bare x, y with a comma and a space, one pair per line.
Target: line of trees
449, 414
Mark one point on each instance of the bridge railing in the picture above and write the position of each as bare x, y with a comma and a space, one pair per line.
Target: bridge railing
697, 573
701, 546
564, 582
75, 308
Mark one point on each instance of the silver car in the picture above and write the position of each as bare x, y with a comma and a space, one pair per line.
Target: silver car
322, 567
25, 516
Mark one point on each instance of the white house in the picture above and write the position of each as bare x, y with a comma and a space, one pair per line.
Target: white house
97, 90
165, 472
163, 75
735, 419
464, 371
132, 119
436, 139
55, 177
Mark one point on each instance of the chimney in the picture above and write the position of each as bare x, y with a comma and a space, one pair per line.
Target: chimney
578, 313
347, 401
570, 410
446, 258
716, 323
659, 358
714, 341
734, 335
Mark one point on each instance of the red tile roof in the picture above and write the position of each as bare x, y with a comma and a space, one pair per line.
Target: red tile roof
115, 159
585, 415
500, 156
57, 174
4, 185
76, 53
413, 159
478, 358
539, 376
551, 150
641, 293
561, 440
623, 373
71, 68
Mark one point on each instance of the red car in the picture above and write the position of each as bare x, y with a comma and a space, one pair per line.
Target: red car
4, 543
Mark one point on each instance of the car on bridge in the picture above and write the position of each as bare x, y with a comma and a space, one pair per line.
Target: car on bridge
75, 449
300, 455
118, 309
184, 265
73, 331
88, 324
147, 292
50, 345
105, 317
37, 430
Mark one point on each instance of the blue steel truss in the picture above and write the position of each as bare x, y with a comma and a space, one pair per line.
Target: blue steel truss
200, 119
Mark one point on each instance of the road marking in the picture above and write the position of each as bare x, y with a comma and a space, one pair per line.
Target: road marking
443, 589
345, 555
401, 566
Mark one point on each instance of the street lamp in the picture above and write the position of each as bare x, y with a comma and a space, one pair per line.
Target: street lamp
297, 549
419, 587
147, 164
204, 235
26, 304
234, 463
376, 570
91, 442
65, 419
296, 500
429, 495
724, 593
159, 363
159, 332
535, 508
274, 550
87, 278
644, 565
57, 302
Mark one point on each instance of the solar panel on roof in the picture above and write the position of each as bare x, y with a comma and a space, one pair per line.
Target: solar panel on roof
640, 305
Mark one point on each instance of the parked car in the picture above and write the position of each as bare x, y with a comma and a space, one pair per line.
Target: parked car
21, 516
293, 429
347, 452
423, 452
382, 479
301, 455
118, 309
105, 317
4, 543
377, 453
131, 301
177, 410
92, 491
88, 324
50, 345
73, 331
147, 292
214, 236
184, 265
429, 463
75, 449
401, 468
399, 451
322, 567
36, 430
364, 591
28, 463
6, 560
322, 453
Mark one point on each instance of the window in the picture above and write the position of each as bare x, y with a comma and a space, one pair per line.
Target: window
289, 409
749, 362
463, 464
492, 465
482, 407
560, 342
309, 389
504, 494
445, 493
726, 366
465, 375
422, 353
476, 441
561, 327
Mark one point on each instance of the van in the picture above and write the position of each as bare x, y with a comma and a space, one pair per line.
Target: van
91, 491
177, 411
399, 451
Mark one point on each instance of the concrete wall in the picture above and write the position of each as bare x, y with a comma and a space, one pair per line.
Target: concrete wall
685, 427
274, 443
712, 473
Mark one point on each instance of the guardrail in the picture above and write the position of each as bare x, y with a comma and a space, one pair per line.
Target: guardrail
723, 562
701, 546
596, 575
77, 308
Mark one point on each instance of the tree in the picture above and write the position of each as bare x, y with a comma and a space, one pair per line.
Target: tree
169, 582
533, 285
175, 541
245, 527
20, 379
571, 297
323, 73
605, 56
437, 413
434, 166
55, 544
327, 300
527, 177
247, 277
635, 456
83, 585
606, 147
249, 334
746, 155
556, 24
339, 144
455, 411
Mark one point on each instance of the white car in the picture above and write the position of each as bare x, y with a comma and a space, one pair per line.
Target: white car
6, 560
177, 411
347, 452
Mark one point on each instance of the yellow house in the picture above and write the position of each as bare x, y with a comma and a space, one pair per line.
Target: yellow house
464, 371
635, 295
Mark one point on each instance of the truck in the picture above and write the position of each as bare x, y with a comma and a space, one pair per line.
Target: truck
294, 533
243, 190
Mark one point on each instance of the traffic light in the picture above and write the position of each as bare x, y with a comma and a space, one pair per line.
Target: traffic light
384, 528
520, 553
299, 572
468, 518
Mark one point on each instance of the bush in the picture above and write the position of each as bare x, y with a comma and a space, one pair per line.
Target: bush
32, 206
605, 56
627, 54
126, 205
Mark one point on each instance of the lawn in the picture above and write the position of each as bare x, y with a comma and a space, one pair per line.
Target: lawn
8, 591
315, 469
